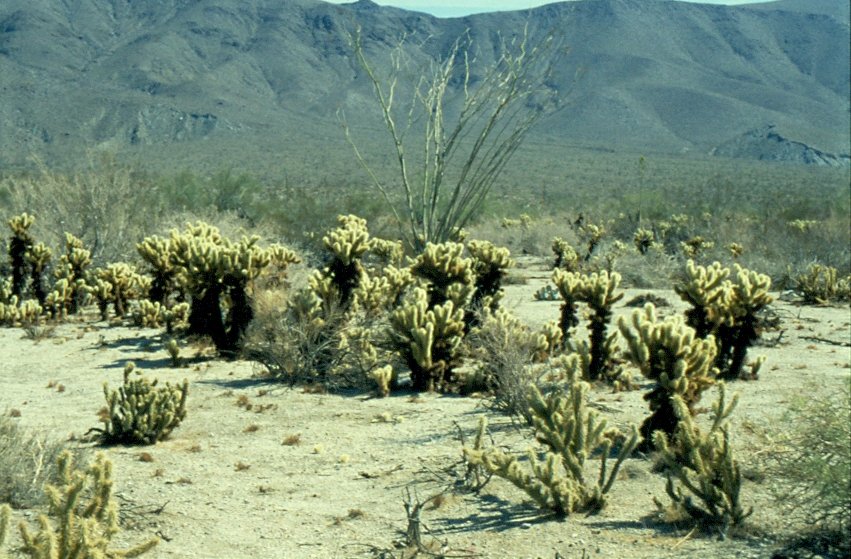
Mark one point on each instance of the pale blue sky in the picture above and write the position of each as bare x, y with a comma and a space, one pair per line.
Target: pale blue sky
454, 8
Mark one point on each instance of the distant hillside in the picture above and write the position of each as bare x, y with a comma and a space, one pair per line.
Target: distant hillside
238, 79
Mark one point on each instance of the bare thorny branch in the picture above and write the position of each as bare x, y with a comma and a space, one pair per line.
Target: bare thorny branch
495, 115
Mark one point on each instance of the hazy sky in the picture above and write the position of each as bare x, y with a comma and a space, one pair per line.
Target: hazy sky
452, 8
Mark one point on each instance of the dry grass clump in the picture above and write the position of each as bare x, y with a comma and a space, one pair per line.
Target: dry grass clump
27, 462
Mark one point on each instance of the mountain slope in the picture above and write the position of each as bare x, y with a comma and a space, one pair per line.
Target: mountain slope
655, 76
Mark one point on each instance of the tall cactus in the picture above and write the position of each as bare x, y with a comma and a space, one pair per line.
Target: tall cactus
681, 364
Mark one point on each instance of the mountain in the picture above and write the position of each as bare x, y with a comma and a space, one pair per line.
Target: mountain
249, 79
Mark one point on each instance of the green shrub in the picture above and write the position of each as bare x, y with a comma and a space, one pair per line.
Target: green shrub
812, 469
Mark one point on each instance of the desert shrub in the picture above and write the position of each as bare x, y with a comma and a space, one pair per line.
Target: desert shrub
140, 412
570, 433
98, 204
27, 462
85, 515
812, 468
506, 351
703, 465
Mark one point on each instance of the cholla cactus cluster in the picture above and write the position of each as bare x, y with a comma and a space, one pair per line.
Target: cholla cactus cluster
599, 292
214, 271
140, 412
704, 478
84, 512
728, 310
571, 434
822, 285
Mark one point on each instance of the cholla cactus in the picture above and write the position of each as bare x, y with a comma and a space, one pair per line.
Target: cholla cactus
571, 433
429, 340
695, 246
139, 412
72, 268
213, 269
599, 291
566, 256
449, 274
38, 257
570, 286
822, 285
490, 265
643, 239
703, 465
19, 245
156, 252
62, 299
706, 289
24, 314
154, 315
86, 512
740, 325
670, 354
347, 245
124, 284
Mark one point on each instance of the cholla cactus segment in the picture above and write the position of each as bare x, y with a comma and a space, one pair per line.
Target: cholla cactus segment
822, 285
86, 513
429, 340
669, 353
703, 465
140, 412
571, 434
61, 300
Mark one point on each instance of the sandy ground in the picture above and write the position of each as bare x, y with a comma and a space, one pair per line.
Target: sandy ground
226, 485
